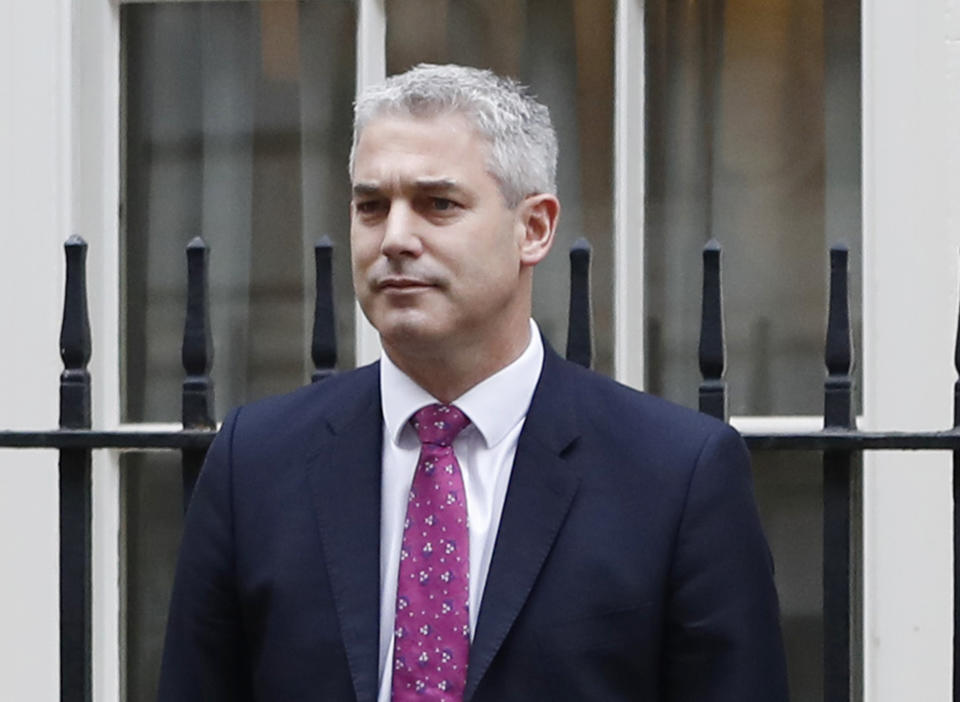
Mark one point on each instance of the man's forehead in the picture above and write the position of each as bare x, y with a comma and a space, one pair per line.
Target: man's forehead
402, 152
389, 128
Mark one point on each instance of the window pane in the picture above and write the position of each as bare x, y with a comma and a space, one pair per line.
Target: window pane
237, 123
562, 49
789, 489
753, 138
152, 519
237, 128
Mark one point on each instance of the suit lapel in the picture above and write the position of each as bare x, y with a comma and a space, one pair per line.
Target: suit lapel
344, 474
540, 493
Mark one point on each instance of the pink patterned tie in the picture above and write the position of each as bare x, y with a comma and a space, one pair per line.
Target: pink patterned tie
432, 632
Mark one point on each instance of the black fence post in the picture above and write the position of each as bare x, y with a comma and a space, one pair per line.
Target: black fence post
323, 349
956, 524
837, 488
75, 543
197, 357
580, 322
712, 355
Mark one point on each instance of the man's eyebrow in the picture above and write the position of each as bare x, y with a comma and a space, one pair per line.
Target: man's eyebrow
429, 184
365, 189
436, 184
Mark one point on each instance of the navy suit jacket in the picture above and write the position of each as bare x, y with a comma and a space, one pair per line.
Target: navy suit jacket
629, 563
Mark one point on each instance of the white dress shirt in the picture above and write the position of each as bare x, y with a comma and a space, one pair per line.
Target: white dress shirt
497, 408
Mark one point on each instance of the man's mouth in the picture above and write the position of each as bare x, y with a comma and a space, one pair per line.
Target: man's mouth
397, 283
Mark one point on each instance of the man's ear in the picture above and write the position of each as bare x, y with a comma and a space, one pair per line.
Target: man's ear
537, 216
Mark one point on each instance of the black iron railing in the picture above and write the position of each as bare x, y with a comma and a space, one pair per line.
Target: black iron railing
839, 441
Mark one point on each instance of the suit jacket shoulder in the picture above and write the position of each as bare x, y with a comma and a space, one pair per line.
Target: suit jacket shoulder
628, 427
658, 573
285, 423
276, 591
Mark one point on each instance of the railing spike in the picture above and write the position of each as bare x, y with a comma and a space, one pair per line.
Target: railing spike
323, 349
838, 406
956, 366
712, 355
74, 485
956, 522
197, 348
75, 343
197, 356
838, 480
580, 320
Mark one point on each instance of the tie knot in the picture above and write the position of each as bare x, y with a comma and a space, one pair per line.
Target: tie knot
439, 424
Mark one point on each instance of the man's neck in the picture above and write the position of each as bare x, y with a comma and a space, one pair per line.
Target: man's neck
449, 374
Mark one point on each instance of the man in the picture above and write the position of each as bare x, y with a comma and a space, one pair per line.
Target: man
473, 518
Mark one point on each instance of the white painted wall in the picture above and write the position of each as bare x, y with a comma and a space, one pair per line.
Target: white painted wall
34, 221
58, 175
911, 91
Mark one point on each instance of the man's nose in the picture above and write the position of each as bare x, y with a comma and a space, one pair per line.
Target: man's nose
400, 234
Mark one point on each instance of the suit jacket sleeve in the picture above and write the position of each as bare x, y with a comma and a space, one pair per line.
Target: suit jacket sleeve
204, 656
723, 640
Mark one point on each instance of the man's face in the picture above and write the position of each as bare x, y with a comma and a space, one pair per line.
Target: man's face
436, 252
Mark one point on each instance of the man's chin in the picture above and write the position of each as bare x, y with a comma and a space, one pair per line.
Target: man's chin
410, 334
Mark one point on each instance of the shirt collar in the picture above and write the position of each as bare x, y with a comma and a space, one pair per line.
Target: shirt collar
494, 405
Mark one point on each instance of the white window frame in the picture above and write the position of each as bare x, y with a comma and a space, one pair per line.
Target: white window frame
911, 177
94, 45
35, 217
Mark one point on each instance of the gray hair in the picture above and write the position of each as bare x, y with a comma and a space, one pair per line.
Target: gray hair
523, 144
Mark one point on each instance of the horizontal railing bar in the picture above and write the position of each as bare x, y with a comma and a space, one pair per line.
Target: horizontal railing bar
824, 440
853, 440
93, 439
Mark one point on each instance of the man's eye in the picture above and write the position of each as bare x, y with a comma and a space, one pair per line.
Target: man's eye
369, 206
442, 203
